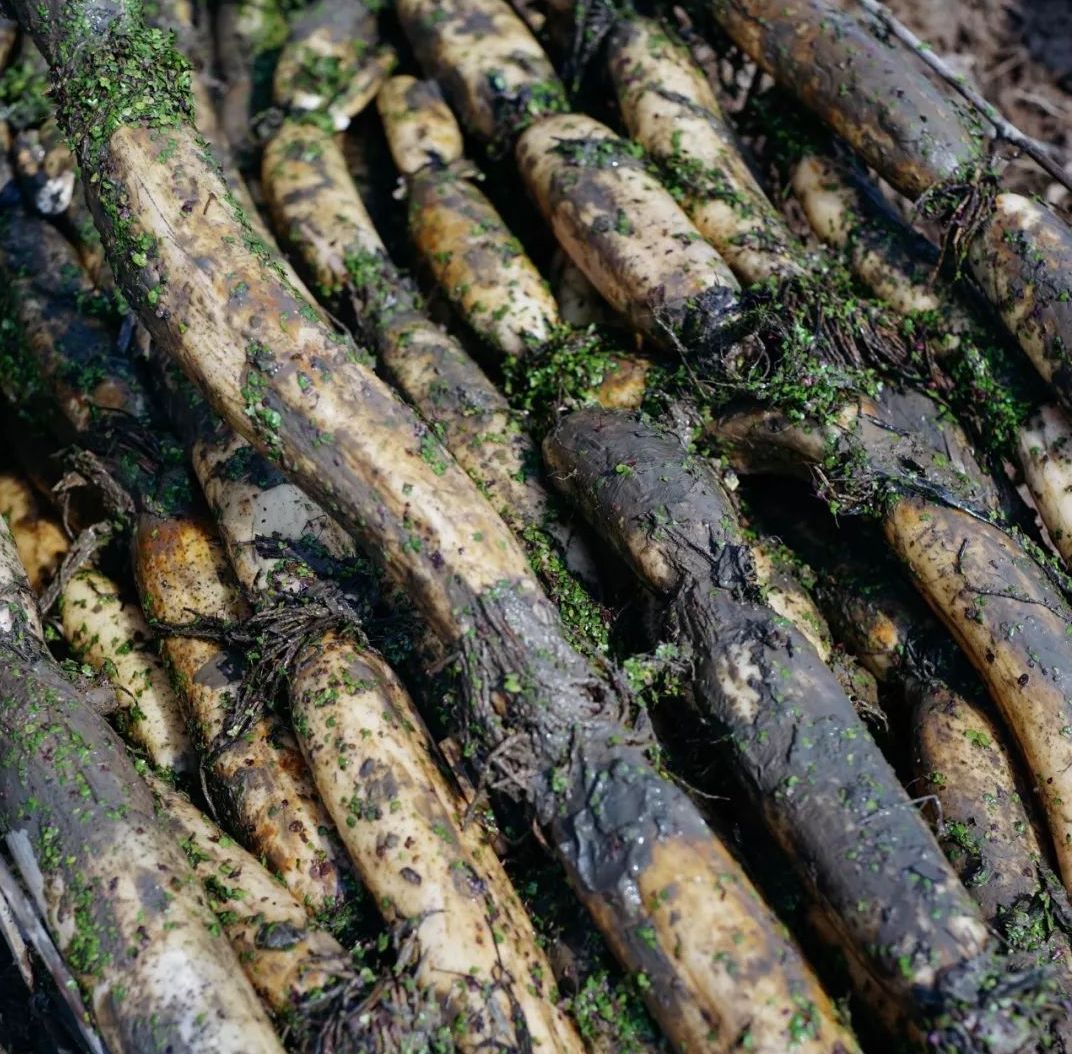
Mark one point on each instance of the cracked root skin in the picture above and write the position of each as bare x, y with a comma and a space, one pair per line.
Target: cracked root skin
1015, 628
826, 790
671, 110
119, 899
872, 91
286, 960
1022, 259
371, 756
661, 274
182, 578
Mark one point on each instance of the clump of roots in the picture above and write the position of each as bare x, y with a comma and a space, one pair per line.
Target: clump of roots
273, 641
397, 1015
961, 206
849, 331
810, 348
270, 643
791, 374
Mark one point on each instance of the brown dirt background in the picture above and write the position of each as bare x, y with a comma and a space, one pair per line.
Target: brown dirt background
1018, 53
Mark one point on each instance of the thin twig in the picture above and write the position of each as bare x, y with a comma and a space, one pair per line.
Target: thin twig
911, 803
86, 546
1040, 153
535, 20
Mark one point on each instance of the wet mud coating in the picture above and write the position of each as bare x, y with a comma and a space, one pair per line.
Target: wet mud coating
662, 275
868, 88
798, 745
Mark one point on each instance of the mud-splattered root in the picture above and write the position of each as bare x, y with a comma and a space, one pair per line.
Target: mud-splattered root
1022, 259
296, 968
635, 849
122, 905
660, 274
672, 111
844, 70
518, 634
756, 682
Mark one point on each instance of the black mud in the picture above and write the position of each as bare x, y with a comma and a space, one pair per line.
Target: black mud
799, 748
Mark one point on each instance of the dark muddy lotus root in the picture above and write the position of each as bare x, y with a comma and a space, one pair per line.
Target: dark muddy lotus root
798, 747
870, 89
